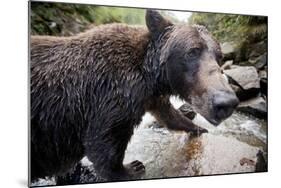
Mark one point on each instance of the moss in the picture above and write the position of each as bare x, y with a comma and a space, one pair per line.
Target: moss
228, 27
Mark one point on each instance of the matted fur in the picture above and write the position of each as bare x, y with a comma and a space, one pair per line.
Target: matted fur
89, 91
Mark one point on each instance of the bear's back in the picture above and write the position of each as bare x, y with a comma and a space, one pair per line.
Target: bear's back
117, 47
114, 41
95, 66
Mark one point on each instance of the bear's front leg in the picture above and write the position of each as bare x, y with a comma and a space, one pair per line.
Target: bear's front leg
167, 115
105, 147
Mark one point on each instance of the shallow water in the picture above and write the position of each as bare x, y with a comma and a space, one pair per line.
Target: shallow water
247, 129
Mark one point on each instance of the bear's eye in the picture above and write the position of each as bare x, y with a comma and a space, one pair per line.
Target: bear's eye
194, 53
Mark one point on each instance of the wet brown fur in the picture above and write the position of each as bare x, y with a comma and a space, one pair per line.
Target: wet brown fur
89, 91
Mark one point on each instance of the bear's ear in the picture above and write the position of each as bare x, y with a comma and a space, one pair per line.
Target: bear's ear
155, 23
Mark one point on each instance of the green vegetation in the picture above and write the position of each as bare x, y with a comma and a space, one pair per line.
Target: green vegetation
229, 27
248, 33
68, 19
65, 19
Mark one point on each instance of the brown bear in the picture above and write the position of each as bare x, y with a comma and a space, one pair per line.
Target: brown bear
89, 91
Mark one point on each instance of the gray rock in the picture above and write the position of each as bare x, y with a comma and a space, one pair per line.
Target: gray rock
262, 62
259, 62
227, 48
216, 154
234, 66
263, 74
244, 80
172, 154
227, 65
247, 77
256, 107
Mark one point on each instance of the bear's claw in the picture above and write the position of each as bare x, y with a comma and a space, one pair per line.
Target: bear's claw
135, 168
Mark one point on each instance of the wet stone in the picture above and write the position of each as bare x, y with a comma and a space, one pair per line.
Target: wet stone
256, 107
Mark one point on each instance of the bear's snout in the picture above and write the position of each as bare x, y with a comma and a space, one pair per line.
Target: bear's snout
224, 103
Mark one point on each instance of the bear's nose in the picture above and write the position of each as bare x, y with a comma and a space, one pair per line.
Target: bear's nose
224, 104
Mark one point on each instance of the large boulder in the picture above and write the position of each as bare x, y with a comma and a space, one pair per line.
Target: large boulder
216, 154
256, 107
247, 76
244, 80
173, 154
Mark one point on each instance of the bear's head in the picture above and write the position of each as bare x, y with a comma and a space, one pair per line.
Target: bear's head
190, 57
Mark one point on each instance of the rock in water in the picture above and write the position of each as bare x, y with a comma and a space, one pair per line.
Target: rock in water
247, 80
256, 107
172, 154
